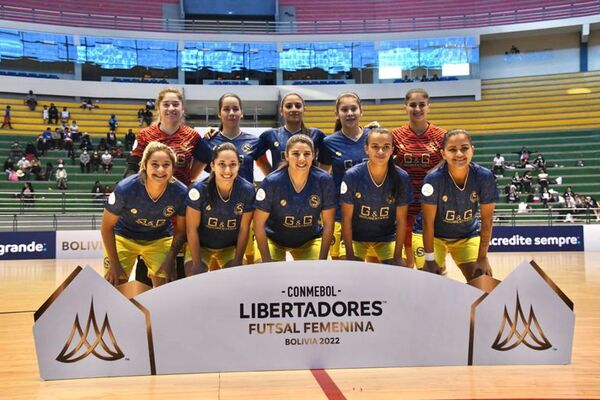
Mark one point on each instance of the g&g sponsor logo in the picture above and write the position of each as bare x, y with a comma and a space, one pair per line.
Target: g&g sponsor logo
312, 315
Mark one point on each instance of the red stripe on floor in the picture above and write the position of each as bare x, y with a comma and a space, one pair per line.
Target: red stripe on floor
328, 385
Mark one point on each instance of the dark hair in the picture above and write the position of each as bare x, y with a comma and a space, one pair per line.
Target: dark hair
221, 99
303, 129
299, 138
211, 184
420, 91
338, 123
391, 165
455, 132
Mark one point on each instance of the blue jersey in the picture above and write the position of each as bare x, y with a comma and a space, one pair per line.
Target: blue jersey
374, 216
456, 209
245, 144
294, 217
276, 139
220, 219
342, 153
140, 217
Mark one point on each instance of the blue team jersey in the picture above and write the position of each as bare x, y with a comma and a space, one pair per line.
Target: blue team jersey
374, 216
220, 219
276, 139
140, 217
342, 153
294, 217
456, 215
245, 144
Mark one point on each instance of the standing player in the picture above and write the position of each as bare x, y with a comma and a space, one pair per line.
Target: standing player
451, 195
192, 154
341, 151
289, 204
137, 220
274, 140
218, 215
375, 197
417, 150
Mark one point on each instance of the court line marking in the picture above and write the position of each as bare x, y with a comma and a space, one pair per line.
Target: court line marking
331, 390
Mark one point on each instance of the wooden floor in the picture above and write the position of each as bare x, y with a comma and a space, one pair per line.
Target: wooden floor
24, 285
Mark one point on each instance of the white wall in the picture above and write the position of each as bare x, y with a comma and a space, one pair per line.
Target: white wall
594, 50
540, 55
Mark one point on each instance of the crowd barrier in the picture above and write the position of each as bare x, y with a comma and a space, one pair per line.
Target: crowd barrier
88, 244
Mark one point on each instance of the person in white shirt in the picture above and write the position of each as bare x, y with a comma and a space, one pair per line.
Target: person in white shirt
107, 161
498, 165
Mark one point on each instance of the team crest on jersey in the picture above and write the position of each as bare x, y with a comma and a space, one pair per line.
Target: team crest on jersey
283, 203
106, 262
390, 198
357, 195
474, 197
314, 201
169, 211
239, 209
444, 198
276, 144
246, 147
133, 211
194, 194
338, 153
433, 147
208, 207
427, 190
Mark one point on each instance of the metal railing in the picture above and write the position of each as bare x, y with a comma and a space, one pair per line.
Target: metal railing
463, 19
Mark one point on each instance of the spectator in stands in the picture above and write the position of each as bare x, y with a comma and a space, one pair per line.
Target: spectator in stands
517, 181
36, 169
75, 131
140, 116
543, 180
545, 196
88, 104
24, 165
593, 205
45, 115
30, 151
65, 115
117, 152
9, 163
526, 182
96, 161
84, 162
148, 117
150, 105
111, 138
68, 141
7, 118
98, 193
107, 162
569, 193
16, 151
11, 175
107, 191
102, 145
57, 139
27, 195
513, 195
524, 155
113, 123
48, 171
53, 114
498, 165
129, 140
540, 162
31, 100
86, 142
523, 208
61, 177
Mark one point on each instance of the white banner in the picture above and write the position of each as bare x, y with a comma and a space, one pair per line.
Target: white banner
317, 314
78, 244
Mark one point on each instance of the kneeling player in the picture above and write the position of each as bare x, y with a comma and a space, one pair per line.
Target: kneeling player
451, 196
137, 220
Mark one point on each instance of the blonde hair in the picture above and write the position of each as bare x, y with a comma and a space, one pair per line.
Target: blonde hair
161, 95
150, 149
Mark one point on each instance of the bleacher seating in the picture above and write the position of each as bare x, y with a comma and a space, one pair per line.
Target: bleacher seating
29, 74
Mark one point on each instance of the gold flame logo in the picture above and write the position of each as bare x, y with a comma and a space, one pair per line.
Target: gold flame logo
527, 336
98, 347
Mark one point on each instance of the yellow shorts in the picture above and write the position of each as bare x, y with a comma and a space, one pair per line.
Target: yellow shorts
418, 249
308, 251
213, 258
337, 249
153, 252
382, 250
462, 250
